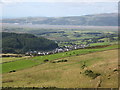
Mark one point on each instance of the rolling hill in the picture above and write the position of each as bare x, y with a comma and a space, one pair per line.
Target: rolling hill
69, 74
106, 19
20, 43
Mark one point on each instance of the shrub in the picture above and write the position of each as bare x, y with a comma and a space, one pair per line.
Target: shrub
115, 70
59, 61
46, 60
63, 60
12, 71
84, 65
91, 74
77, 54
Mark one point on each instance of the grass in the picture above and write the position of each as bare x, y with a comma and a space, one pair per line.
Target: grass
9, 59
103, 43
69, 74
21, 64
98, 44
27, 63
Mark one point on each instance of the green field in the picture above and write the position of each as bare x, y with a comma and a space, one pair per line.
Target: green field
33, 71
95, 66
29, 62
10, 59
69, 34
68, 74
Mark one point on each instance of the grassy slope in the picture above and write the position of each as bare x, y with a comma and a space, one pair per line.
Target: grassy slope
29, 62
10, 59
67, 74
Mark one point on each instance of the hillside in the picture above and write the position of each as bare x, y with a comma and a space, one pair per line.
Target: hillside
70, 74
21, 43
107, 19
27, 62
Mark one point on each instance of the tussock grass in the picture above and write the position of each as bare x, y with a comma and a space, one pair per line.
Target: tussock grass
67, 75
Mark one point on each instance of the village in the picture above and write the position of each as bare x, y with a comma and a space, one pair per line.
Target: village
57, 50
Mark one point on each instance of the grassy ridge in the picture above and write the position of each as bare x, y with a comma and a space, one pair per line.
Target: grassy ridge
26, 63
69, 74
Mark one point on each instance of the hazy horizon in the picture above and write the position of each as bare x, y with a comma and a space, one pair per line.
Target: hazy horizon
52, 17
63, 9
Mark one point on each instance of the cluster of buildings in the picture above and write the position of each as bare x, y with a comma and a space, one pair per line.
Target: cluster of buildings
57, 50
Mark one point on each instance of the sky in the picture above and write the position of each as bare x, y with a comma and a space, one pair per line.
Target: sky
56, 8
9, 1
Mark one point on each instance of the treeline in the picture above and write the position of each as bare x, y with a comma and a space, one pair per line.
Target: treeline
21, 43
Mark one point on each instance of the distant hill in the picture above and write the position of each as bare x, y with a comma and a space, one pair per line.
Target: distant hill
106, 19
21, 43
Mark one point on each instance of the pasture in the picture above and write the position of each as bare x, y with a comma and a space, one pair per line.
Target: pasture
11, 59
32, 61
68, 74
70, 34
